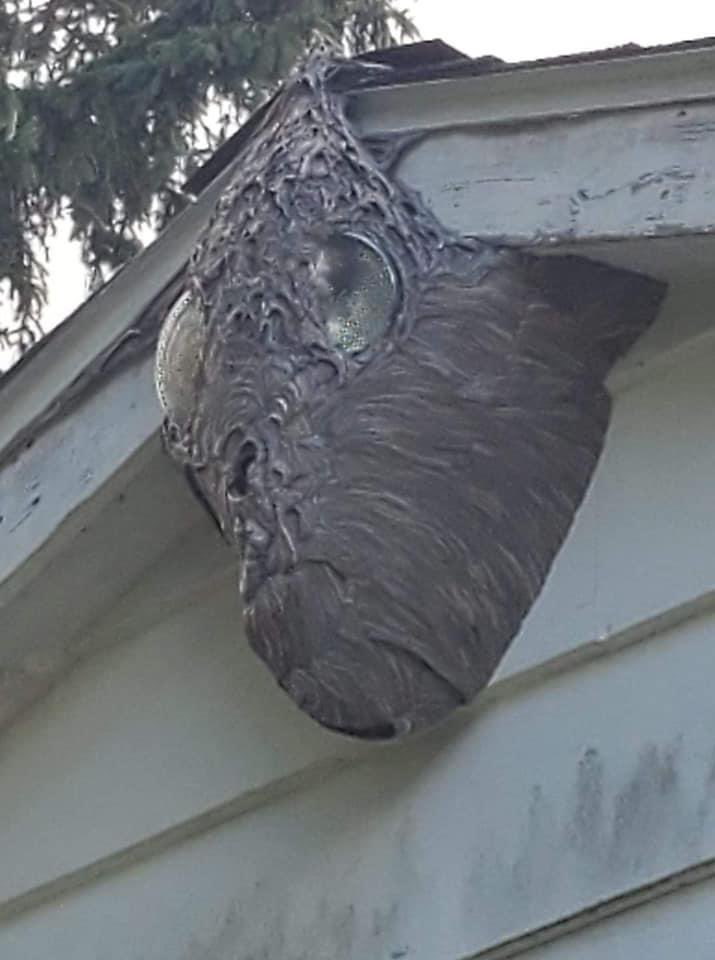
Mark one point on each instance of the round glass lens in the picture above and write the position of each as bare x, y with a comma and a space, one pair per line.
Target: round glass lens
177, 357
362, 292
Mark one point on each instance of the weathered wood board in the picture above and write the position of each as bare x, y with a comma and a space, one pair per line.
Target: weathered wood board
635, 173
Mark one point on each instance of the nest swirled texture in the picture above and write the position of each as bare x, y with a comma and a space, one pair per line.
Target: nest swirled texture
393, 425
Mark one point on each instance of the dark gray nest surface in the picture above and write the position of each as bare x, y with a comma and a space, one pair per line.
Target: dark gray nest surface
393, 425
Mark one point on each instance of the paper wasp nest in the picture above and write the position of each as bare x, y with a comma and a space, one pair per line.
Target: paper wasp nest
394, 425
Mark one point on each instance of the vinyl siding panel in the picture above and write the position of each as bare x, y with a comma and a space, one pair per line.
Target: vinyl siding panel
572, 790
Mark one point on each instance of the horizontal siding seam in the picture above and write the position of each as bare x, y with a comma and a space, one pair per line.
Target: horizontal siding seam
172, 836
650, 628
589, 916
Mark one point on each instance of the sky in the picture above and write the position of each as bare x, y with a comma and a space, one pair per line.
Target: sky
512, 30
529, 29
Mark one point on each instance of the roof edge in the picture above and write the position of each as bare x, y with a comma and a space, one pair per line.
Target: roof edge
102, 323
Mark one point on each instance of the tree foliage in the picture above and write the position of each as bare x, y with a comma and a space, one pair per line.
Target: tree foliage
106, 106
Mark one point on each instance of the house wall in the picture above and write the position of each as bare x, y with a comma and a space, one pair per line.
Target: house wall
161, 799
166, 802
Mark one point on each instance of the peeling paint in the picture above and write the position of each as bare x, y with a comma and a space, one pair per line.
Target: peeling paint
606, 176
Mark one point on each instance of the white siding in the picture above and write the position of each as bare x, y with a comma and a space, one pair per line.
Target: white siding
643, 543
548, 801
